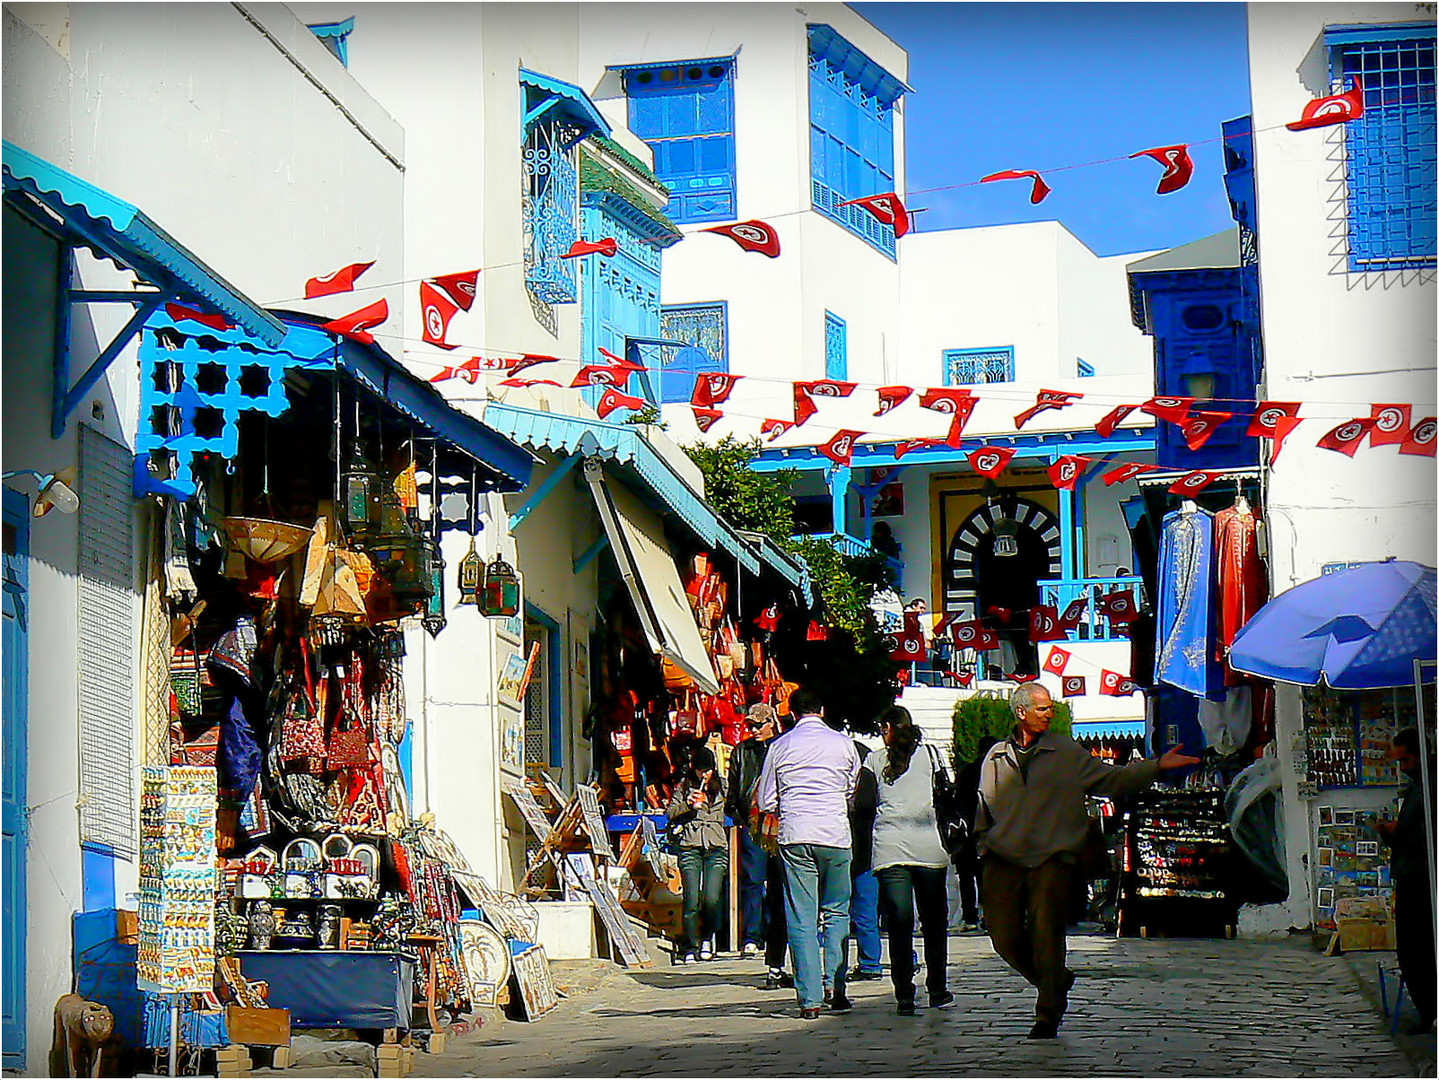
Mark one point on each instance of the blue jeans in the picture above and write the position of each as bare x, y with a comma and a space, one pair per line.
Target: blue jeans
816, 882
753, 869
703, 872
864, 923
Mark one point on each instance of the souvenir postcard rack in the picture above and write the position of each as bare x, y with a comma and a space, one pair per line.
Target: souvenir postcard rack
1177, 863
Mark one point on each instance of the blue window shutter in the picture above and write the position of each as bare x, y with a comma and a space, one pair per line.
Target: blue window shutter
685, 111
836, 347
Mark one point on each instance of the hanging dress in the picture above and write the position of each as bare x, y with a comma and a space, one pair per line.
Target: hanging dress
1185, 644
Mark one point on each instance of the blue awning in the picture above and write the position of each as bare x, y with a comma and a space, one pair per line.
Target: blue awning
1108, 729
84, 215
574, 102
826, 42
625, 445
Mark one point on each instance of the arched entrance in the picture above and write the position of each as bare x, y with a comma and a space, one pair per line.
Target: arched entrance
977, 578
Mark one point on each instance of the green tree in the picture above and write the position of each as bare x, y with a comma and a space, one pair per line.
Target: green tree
988, 713
747, 499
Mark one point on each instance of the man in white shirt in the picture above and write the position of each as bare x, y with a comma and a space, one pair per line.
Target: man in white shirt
809, 778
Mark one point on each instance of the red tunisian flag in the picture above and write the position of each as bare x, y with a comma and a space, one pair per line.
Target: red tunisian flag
887, 210
974, 635
436, 311
1346, 437
1074, 613
1117, 606
1128, 471
908, 648
752, 236
514, 367
1178, 166
705, 418
1421, 439
1192, 483
1111, 420
840, 447
1044, 624
713, 388
1391, 424
804, 407
1057, 660
1335, 109
891, 397
959, 404
460, 288
1065, 472
906, 445
1115, 684
357, 324
1200, 428
1073, 686
612, 399
604, 375
1282, 427
607, 247
1015, 676
179, 312
1046, 400
1267, 415
1036, 194
990, 460
1173, 409
337, 281
775, 428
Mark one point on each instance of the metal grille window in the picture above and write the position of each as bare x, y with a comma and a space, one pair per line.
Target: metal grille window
836, 348
963, 367
685, 112
702, 326
551, 202
1390, 150
1083, 367
106, 630
851, 130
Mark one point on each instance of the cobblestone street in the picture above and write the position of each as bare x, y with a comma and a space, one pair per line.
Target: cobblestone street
1139, 1008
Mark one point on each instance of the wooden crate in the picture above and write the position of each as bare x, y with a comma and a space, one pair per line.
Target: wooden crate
258, 1027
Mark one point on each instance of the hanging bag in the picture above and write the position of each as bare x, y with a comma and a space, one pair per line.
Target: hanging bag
949, 819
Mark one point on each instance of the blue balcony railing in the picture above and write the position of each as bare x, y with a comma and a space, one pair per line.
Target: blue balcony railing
1094, 627
855, 547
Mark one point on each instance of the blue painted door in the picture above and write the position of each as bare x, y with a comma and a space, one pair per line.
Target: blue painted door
13, 764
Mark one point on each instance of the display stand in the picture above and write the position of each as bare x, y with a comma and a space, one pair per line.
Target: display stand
1177, 865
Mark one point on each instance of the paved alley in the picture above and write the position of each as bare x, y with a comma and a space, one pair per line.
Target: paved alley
1139, 1008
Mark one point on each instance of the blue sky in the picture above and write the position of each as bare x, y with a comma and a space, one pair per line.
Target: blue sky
1044, 85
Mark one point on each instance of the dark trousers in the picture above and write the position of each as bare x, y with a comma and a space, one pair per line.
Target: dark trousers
753, 869
1414, 944
966, 866
776, 942
1026, 911
903, 890
703, 873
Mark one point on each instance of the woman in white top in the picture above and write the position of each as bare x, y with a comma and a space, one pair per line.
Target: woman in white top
909, 860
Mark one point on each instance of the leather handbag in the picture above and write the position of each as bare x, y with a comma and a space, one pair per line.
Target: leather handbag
949, 819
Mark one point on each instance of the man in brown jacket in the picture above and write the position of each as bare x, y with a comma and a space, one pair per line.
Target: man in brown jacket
1030, 829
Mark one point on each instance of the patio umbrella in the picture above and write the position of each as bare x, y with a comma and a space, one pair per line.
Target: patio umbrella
1356, 629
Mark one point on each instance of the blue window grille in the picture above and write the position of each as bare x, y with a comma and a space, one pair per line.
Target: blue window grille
851, 130
1084, 368
550, 201
836, 348
963, 367
335, 36
1389, 152
685, 112
703, 327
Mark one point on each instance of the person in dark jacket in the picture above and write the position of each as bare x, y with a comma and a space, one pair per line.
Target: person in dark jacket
762, 919
696, 813
1410, 870
966, 862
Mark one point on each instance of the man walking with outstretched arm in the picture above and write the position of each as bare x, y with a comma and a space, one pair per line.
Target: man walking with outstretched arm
1030, 828
808, 778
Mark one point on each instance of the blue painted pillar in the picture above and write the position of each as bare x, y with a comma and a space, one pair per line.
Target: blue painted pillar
839, 480
1066, 527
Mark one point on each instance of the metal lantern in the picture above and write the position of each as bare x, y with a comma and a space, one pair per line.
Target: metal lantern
1006, 537
434, 619
360, 488
471, 575
501, 592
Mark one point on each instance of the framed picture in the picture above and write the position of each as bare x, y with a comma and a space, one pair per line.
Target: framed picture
512, 739
1326, 856
1344, 817
1326, 816
531, 974
512, 629
515, 676
1367, 849
890, 501
1325, 897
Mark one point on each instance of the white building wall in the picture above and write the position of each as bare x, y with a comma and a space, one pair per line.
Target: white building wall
1336, 341
248, 143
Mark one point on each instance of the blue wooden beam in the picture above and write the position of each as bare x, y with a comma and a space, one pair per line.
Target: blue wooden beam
67, 399
588, 555
543, 491
879, 455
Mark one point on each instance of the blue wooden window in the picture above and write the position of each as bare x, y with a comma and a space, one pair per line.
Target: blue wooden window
836, 347
685, 112
703, 326
1389, 152
963, 367
1083, 367
335, 36
851, 130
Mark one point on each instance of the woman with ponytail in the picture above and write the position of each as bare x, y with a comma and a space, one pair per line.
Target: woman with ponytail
696, 814
909, 860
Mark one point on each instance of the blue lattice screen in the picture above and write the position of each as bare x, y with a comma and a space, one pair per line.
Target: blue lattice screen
550, 208
836, 347
963, 367
703, 327
1390, 151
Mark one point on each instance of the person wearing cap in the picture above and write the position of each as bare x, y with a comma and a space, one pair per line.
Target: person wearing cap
762, 919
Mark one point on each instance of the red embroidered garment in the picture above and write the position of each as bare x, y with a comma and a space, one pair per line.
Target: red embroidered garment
1243, 584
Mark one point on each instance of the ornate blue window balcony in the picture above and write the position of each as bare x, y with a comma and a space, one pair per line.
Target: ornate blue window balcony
967, 367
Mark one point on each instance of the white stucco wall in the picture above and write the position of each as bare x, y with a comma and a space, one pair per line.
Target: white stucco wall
1336, 341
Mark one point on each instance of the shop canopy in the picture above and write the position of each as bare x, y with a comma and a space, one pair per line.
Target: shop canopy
1108, 729
625, 447
637, 538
